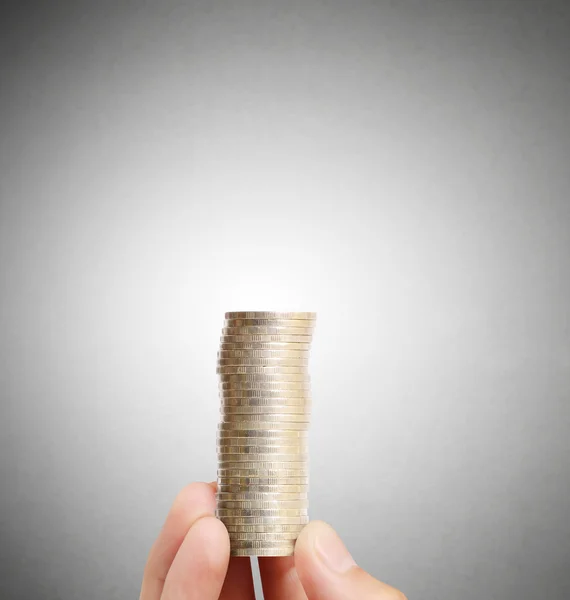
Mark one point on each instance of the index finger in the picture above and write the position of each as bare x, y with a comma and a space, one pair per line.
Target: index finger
195, 501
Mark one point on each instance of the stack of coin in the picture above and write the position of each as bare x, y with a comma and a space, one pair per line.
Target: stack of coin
263, 471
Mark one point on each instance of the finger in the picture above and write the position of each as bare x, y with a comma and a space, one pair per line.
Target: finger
238, 584
193, 502
198, 570
328, 571
279, 578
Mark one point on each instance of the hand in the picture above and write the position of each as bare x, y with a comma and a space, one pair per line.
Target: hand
190, 561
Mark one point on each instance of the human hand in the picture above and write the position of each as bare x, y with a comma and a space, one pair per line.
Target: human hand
190, 560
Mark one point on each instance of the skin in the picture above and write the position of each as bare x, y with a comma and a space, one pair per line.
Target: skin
190, 561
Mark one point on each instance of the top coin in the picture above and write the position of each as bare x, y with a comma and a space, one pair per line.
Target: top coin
271, 315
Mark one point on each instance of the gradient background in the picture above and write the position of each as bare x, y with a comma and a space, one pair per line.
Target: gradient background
400, 167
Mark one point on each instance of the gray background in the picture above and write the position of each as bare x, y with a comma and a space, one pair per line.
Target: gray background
400, 167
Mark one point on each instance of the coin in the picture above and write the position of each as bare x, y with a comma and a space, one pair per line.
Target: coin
265, 385
250, 482
264, 537
242, 450
257, 441
263, 353
252, 337
262, 545
273, 457
263, 370
269, 521
252, 401
269, 489
262, 512
270, 323
268, 361
262, 505
258, 471
266, 410
306, 346
265, 394
262, 434
266, 497
257, 425
270, 418
295, 467
265, 527
269, 378
270, 315
277, 551
262, 330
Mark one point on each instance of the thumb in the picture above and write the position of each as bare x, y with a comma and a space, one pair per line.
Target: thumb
328, 572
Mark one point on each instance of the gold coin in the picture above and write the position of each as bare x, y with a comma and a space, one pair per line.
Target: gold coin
262, 551
260, 330
262, 377
303, 346
264, 385
262, 512
263, 370
266, 521
262, 434
261, 545
239, 505
267, 361
238, 401
291, 484
269, 418
252, 337
291, 449
298, 467
272, 528
254, 353
270, 315
264, 537
229, 411
259, 496
261, 472
270, 323
283, 457
264, 489
269, 394
263, 426
256, 441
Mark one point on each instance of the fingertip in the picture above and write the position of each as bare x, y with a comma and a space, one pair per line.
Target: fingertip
197, 494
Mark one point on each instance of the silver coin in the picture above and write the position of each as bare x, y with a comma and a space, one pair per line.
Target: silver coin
252, 337
270, 323
268, 497
262, 512
269, 378
266, 330
270, 315
268, 361
267, 521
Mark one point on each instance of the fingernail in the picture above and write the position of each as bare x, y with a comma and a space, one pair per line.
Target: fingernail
332, 551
